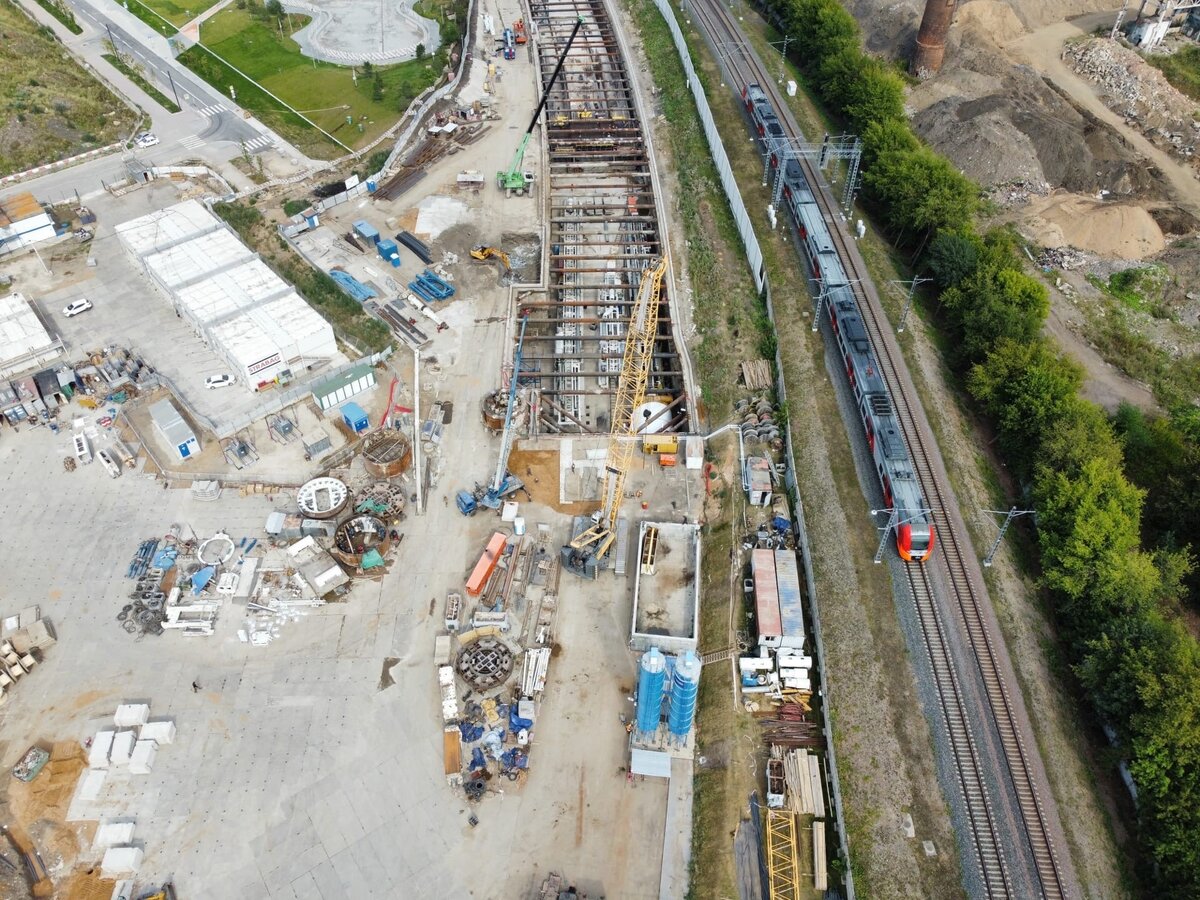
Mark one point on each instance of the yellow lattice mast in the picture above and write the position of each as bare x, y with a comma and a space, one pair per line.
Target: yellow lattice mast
631, 393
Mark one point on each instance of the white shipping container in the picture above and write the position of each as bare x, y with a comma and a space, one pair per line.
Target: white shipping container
131, 715
122, 748
100, 749
112, 834
159, 732
142, 760
121, 861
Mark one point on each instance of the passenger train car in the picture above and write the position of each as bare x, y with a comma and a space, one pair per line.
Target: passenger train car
901, 490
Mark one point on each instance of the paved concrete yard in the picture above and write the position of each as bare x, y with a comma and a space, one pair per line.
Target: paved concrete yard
133, 312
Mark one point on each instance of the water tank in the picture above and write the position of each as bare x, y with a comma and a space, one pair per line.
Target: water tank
684, 688
652, 675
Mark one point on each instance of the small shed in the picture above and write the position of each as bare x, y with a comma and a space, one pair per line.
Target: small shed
337, 390
366, 230
355, 417
758, 480
175, 431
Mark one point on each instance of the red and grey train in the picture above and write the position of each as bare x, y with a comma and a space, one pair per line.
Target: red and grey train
897, 478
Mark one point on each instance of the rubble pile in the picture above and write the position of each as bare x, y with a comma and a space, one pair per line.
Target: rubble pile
1065, 258
1136, 90
1017, 193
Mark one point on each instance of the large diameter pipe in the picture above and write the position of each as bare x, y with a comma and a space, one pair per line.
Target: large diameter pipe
931, 39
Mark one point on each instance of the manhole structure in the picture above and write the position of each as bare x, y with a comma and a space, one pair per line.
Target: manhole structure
322, 498
485, 664
387, 454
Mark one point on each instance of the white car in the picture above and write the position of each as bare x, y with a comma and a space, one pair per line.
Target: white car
212, 382
145, 139
77, 307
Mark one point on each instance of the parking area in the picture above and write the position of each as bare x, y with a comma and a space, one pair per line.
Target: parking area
130, 311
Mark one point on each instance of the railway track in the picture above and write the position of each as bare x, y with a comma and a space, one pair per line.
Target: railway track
743, 66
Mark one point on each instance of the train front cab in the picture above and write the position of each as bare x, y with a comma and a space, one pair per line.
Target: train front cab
914, 541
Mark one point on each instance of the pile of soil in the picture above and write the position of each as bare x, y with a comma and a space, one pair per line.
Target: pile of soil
1108, 229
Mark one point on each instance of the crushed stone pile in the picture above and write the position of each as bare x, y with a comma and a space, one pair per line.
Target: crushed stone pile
1133, 88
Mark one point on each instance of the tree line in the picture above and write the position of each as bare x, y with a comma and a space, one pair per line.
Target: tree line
1117, 499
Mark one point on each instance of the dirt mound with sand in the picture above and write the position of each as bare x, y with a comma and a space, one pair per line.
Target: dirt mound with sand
1109, 229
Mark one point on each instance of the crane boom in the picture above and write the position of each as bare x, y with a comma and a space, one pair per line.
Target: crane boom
514, 179
631, 394
506, 440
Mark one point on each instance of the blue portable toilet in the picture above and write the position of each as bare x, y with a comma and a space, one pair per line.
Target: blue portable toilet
389, 252
355, 417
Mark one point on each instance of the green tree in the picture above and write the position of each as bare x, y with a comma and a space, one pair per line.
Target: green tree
1081, 433
420, 51
888, 136
367, 69
1024, 388
274, 9
1083, 518
920, 193
952, 257
862, 88
377, 88
993, 305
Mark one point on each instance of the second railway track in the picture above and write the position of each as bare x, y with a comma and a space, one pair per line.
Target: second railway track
742, 67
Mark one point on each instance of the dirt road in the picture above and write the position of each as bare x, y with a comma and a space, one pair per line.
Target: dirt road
1042, 49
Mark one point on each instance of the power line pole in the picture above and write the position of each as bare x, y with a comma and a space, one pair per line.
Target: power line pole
908, 302
1013, 513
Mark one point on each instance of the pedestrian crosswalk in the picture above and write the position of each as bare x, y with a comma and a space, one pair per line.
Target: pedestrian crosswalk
262, 142
191, 142
214, 110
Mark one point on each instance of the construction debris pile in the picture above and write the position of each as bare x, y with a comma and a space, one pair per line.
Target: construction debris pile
1012, 194
795, 788
492, 676
23, 637
1136, 90
181, 584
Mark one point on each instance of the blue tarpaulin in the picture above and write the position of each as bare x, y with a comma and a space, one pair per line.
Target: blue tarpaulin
515, 722
477, 760
165, 558
516, 758
202, 578
470, 732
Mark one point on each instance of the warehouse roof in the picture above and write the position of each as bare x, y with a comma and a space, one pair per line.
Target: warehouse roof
19, 207
237, 288
165, 228
21, 331
196, 258
344, 379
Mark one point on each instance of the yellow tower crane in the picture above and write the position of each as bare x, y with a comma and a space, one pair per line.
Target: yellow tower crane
595, 542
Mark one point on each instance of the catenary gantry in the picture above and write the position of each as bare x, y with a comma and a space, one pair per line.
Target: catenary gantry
604, 229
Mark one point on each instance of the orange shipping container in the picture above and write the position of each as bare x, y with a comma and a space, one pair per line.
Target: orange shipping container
486, 565
667, 460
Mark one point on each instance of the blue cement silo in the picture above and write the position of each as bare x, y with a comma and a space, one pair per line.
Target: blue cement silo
684, 687
652, 676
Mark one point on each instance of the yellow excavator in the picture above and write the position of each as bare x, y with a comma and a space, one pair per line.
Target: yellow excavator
486, 253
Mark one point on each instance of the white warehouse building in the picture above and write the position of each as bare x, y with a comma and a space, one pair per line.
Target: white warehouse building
251, 317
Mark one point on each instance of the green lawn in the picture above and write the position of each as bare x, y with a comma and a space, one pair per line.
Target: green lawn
178, 13
50, 108
149, 16
319, 90
1182, 69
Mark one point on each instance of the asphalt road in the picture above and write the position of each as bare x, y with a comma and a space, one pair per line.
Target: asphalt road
209, 127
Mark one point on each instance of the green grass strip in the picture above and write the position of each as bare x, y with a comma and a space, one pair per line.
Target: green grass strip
60, 12
136, 77
149, 16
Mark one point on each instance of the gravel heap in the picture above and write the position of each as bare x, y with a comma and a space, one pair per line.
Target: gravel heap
1136, 90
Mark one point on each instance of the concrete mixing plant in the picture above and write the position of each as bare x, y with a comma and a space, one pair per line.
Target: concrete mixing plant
685, 685
652, 676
